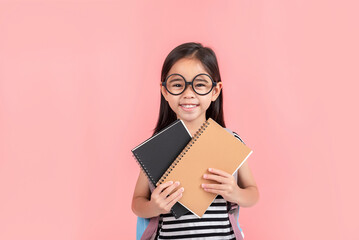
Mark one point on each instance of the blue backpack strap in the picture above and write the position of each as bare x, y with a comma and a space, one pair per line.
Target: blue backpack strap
151, 229
146, 227
141, 225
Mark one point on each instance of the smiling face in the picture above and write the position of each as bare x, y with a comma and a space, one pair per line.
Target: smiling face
189, 106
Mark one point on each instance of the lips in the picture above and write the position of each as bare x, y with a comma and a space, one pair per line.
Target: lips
189, 107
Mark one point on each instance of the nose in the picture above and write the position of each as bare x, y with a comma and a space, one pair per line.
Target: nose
188, 91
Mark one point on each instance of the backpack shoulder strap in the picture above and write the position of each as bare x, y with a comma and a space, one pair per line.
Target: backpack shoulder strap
238, 137
233, 208
146, 228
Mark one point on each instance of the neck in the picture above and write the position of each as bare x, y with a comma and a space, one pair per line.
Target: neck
194, 125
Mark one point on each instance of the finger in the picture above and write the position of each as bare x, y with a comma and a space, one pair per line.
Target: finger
215, 191
175, 197
216, 178
214, 186
169, 189
219, 172
162, 186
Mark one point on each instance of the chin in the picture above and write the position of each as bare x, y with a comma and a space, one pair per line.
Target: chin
189, 118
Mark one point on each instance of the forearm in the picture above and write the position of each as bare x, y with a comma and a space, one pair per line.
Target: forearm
247, 197
142, 207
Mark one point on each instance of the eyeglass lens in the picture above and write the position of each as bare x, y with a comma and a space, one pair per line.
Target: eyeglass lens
202, 84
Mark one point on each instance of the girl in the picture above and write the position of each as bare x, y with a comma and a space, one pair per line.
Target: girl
195, 65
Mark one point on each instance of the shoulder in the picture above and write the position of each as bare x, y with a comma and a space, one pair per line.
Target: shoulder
236, 135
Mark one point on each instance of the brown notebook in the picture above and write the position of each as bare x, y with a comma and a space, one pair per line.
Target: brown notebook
211, 146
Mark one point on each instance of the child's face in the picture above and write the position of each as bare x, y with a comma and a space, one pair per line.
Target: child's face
189, 68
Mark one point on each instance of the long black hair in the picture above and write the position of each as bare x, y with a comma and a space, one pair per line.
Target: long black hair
208, 59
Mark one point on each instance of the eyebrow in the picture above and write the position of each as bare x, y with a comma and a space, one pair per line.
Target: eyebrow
176, 79
203, 80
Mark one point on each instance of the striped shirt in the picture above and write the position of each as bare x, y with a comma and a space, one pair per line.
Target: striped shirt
214, 224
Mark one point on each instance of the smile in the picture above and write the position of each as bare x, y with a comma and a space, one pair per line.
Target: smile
188, 106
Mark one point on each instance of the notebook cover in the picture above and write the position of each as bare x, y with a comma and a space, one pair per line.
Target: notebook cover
212, 146
157, 153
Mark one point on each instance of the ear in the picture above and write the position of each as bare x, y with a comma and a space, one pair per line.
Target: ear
216, 91
164, 91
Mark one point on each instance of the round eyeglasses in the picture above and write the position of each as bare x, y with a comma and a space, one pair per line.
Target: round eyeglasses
202, 84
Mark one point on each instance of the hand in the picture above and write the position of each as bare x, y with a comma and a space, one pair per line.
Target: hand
226, 187
161, 198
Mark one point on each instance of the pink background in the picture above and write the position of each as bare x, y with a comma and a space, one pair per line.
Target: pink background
79, 89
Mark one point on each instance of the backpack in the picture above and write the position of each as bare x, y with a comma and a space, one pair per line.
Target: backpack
146, 228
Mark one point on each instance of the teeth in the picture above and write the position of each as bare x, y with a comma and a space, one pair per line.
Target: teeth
188, 106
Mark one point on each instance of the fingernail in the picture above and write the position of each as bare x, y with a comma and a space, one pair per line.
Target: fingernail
182, 189
210, 169
171, 182
177, 183
205, 175
203, 185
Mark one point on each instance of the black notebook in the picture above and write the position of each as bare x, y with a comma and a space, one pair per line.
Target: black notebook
157, 153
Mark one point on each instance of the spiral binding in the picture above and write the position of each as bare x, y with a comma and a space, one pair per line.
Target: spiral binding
184, 151
143, 168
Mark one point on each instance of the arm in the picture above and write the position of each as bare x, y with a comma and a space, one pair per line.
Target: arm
247, 194
244, 192
140, 200
147, 205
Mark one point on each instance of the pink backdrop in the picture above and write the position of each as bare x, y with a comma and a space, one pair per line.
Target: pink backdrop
79, 89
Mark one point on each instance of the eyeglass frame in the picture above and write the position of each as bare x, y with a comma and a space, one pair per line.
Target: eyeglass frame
214, 84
